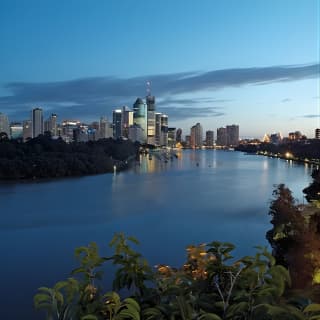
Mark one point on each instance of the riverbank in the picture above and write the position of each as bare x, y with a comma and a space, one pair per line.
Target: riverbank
43, 158
306, 151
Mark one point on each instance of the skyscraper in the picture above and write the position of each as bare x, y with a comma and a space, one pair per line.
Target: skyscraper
233, 135
140, 116
171, 137
158, 128
164, 130
117, 123
209, 138
317, 133
105, 128
179, 135
127, 120
151, 118
4, 124
196, 136
222, 137
37, 122
50, 124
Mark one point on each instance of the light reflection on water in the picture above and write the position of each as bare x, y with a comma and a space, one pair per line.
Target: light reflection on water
197, 197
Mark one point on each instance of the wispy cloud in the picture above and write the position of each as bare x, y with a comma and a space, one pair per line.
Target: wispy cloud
91, 97
286, 100
311, 116
178, 113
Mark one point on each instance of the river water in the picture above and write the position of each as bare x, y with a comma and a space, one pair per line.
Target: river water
198, 197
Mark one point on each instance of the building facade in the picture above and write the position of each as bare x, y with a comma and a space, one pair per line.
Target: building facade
4, 124
117, 123
37, 122
209, 138
196, 136
140, 116
151, 121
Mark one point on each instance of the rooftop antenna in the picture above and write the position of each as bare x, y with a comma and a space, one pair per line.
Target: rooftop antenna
148, 88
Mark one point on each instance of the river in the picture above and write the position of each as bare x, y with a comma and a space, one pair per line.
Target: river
198, 197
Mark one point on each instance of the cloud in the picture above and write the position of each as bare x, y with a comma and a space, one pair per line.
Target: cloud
178, 113
311, 116
286, 100
95, 96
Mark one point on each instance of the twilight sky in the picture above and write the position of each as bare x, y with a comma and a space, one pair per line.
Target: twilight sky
251, 62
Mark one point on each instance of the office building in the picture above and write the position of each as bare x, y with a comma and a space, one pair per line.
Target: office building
37, 122
209, 138
4, 124
158, 128
171, 137
67, 128
140, 116
127, 121
164, 130
16, 130
117, 123
151, 119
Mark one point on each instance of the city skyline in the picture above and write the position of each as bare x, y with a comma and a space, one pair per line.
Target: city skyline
215, 62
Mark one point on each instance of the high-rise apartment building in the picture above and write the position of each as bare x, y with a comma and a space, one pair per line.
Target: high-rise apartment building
37, 122
140, 116
151, 121
317, 133
209, 138
196, 136
117, 123
222, 137
4, 124
233, 135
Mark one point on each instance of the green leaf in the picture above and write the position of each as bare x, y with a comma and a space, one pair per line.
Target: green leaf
89, 317
209, 316
313, 307
132, 314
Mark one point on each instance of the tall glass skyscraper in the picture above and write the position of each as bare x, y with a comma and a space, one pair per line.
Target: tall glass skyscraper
140, 116
151, 122
117, 123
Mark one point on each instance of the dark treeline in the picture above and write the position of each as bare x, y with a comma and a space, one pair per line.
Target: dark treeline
43, 157
300, 149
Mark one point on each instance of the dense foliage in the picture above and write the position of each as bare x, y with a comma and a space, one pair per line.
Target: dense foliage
43, 157
295, 237
312, 192
210, 285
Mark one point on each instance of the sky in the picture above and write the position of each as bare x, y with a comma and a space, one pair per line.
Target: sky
254, 63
